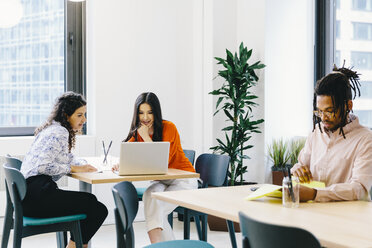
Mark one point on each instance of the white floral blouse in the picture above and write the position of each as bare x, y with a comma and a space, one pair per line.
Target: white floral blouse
49, 154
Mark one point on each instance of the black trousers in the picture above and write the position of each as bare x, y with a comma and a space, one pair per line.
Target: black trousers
44, 199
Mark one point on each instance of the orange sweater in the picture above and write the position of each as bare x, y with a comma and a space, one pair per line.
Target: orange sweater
177, 158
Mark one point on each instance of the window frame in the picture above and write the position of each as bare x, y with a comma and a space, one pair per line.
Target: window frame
324, 38
74, 61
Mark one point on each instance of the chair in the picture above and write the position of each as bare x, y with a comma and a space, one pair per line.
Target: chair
213, 172
190, 154
126, 201
261, 235
16, 188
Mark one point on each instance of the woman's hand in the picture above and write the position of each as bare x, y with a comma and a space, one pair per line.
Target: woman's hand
115, 167
144, 132
83, 168
303, 173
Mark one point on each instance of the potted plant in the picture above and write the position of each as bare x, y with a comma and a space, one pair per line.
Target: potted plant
284, 155
236, 100
295, 148
279, 155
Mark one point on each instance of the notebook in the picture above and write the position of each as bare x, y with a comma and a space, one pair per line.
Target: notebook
143, 158
274, 190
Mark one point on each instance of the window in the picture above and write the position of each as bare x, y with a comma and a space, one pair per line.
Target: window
365, 5
40, 58
337, 29
362, 31
366, 89
344, 34
361, 60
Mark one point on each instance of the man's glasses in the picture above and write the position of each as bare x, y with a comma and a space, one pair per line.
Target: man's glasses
327, 114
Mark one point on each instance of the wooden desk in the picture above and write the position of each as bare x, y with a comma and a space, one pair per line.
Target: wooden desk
335, 224
107, 176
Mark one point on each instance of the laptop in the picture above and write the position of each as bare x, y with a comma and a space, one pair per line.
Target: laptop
143, 158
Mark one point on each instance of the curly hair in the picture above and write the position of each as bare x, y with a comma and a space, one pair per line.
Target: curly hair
64, 107
341, 85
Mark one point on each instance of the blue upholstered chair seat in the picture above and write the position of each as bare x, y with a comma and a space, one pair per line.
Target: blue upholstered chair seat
29, 221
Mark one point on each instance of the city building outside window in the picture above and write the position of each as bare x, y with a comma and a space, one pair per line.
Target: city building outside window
354, 45
34, 62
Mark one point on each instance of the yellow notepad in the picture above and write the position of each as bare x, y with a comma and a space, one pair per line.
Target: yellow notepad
274, 190
263, 191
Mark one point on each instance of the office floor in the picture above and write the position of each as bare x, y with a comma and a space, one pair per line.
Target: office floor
106, 237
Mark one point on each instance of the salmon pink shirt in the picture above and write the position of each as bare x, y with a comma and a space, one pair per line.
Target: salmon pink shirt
344, 165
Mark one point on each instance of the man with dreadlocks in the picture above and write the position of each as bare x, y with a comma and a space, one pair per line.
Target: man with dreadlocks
338, 152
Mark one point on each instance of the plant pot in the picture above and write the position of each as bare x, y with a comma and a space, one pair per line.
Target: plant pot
278, 174
277, 177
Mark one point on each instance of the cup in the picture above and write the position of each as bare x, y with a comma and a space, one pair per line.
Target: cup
291, 192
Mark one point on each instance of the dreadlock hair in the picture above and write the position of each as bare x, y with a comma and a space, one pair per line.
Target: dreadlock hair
341, 85
64, 107
152, 100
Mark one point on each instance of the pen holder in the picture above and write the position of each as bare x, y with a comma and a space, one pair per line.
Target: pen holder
291, 192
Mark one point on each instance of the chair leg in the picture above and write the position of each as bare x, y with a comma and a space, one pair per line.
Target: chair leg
198, 228
129, 238
17, 234
186, 224
61, 239
8, 224
204, 221
76, 232
119, 230
170, 219
230, 227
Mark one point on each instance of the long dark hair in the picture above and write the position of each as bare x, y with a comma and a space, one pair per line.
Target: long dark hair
64, 107
341, 85
152, 100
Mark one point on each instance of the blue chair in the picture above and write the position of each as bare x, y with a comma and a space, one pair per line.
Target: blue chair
126, 201
190, 154
16, 188
213, 172
261, 235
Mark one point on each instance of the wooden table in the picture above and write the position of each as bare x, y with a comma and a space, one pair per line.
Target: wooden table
107, 176
87, 179
335, 224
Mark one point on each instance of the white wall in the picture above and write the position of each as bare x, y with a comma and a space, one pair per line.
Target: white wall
289, 80
139, 46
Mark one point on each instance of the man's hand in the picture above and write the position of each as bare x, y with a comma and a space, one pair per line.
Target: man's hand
83, 168
303, 173
307, 194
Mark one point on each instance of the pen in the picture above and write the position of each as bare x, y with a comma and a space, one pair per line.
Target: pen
104, 151
291, 185
108, 149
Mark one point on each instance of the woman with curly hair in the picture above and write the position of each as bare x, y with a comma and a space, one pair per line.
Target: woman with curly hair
50, 158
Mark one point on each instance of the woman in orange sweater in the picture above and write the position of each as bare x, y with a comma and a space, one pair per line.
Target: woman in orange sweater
148, 126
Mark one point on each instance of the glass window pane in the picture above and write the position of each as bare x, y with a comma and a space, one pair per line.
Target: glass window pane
32, 64
354, 45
